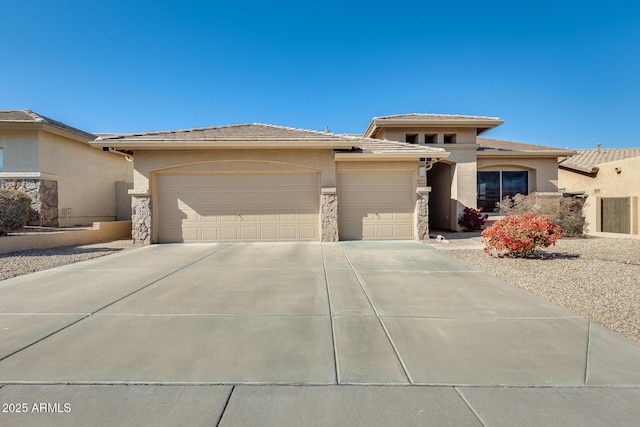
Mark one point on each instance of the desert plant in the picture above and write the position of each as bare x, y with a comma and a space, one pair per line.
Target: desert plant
15, 207
520, 236
563, 211
471, 219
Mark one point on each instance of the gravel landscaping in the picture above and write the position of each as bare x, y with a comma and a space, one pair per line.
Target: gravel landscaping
23, 262
598, 278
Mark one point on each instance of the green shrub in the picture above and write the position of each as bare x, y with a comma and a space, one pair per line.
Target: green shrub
520, 236
15, 208
563, 211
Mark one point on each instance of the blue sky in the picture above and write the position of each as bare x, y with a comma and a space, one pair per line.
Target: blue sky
561, 73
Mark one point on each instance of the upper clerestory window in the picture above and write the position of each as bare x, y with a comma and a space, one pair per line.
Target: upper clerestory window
430, 138
411, 138
449, 138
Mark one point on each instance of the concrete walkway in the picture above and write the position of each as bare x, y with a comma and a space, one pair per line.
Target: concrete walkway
355, 333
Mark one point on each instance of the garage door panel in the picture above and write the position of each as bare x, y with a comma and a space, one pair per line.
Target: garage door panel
307, 217
288, 232
187, 234
239, 207
405, 216
210, 233
268, 233
210, 218
174, 216
229, 233
308, 232
386, 231
376, 205
404, 231
249, 232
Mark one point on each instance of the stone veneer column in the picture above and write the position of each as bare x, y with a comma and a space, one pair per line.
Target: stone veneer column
328, 215
44, 199
141, 219
422, 213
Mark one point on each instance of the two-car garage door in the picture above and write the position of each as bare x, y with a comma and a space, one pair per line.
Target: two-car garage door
238, 207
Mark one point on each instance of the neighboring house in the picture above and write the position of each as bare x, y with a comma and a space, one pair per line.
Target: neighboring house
479, 171
70, 182
610, 180
265, 182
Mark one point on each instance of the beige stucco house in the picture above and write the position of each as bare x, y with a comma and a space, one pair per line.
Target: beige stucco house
70, 182
610, 181
479, 172
251, 182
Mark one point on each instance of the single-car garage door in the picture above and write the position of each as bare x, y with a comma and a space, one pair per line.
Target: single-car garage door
238, 207
375, 205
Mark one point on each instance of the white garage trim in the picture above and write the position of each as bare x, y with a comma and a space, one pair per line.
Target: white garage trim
237, 207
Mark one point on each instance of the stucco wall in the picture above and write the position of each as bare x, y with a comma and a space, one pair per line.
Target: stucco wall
100, 232
20, 150
178, 161
463, 136
86, 177
463, 182
607, 183
543, 173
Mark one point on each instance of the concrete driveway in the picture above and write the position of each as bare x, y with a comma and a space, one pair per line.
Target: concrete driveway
347, 333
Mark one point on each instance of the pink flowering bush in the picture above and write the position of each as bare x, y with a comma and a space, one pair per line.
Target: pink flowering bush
520, 236
471, 219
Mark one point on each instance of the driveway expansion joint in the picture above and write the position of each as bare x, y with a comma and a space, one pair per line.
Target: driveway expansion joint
471, 408
379, 318
336, 361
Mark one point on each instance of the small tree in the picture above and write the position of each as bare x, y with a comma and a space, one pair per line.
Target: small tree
15, 207
520, 236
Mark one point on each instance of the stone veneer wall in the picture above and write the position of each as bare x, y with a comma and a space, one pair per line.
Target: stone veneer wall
328, 215
422, 213
141, 219
44, 196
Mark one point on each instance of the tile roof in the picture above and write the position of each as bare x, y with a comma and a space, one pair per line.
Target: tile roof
267, 133
250, 132
28, 116
503, 145
588, 160
370, 145
436, 117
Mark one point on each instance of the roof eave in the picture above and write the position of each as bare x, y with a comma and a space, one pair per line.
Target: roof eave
590, 170
381, 156
521, 154
42, 126
482, 125
223, 144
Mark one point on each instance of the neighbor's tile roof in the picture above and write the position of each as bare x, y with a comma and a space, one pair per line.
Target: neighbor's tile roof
267, 132
588, 160
28, 116
503, 145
